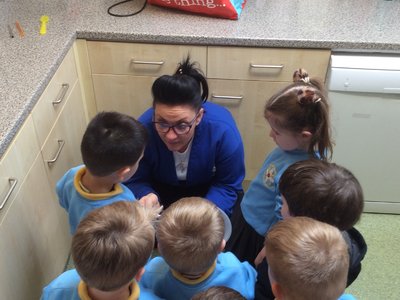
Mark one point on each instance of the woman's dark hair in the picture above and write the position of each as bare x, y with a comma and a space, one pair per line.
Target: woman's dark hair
187, 86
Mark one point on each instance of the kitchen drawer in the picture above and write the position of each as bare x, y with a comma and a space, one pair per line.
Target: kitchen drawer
16, 163
53, 98
270, 64
123, 93
141, 59
61, 150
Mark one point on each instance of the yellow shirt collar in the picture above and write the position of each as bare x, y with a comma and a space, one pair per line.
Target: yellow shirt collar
117, 189
203, 277
84, 295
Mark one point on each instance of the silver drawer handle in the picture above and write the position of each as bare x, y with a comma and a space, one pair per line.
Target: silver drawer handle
61, 144
61, 94
266, 66
143, 62
13, 182
227, 97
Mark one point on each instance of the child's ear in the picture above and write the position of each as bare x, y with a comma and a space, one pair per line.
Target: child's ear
121, 173
277, 290
306, 134
139, 274
223, 243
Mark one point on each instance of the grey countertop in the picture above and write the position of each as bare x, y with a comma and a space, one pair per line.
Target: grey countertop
27, 64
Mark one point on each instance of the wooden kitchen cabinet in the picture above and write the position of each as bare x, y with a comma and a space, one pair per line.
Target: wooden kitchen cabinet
16, 246
34, 238
61, 150
34, 231
126, 94
246, 101
15, 164
53, 99
60, 126
243, 79
123, 73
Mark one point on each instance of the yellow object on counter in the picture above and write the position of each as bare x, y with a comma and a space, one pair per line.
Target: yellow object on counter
43, 22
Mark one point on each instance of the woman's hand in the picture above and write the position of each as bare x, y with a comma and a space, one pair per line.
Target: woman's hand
150, 201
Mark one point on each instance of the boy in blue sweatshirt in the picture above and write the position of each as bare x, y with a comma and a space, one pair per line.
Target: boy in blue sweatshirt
111, 148
307, 259
109, 249
190, 236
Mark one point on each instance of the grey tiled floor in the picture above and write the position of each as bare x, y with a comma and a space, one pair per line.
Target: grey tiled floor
380, 275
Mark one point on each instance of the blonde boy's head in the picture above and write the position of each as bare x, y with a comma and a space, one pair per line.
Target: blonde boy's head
112, 244
190, 235
307, 259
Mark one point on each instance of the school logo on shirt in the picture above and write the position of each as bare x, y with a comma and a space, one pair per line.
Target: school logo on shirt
269, 176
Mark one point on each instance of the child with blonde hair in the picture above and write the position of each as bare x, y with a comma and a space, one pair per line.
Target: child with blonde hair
110, 248
190, 236
307, 259
299, 119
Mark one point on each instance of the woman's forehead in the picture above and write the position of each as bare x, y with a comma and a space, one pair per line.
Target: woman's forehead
174, 112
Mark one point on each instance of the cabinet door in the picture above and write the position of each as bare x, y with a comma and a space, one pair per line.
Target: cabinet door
61, 150
246, 101
141, 59
126, 94
53, 99
35, 241
16, 163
